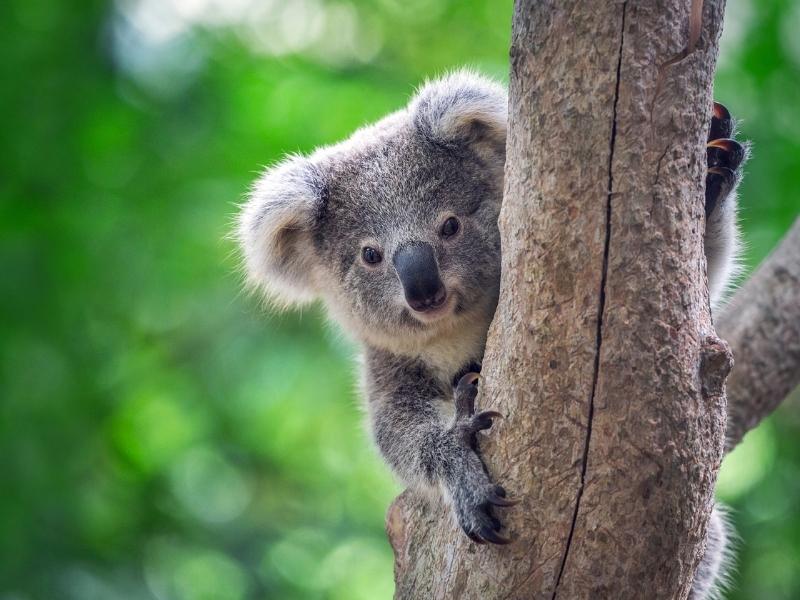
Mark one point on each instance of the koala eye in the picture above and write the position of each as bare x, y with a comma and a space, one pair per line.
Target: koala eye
371, 256
450, 227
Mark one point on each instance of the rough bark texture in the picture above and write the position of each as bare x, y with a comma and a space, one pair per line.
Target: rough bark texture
762, 325
602, 352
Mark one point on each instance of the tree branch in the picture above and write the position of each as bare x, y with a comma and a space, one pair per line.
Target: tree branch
762, 325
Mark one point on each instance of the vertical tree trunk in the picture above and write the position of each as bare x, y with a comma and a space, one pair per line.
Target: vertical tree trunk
602, 353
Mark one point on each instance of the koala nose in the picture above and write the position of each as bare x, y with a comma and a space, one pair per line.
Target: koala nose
416, 268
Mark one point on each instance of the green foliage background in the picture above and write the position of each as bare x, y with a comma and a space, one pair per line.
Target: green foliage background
160, 435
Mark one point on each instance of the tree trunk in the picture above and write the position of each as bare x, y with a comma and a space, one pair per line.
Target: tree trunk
601, 354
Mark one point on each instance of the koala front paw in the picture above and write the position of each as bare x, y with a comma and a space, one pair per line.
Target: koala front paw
472, 492
724, 156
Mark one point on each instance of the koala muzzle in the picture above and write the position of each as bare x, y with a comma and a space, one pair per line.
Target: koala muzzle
417, 270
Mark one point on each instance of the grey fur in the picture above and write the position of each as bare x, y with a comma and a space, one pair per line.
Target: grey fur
392, 183
714, 572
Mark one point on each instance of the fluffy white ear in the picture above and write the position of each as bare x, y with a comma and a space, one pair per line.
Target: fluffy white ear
462, 108
275, 228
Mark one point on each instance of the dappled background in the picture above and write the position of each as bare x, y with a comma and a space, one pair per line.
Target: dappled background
161, 435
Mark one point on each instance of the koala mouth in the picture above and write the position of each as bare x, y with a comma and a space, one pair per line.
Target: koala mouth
440, 306
429, 302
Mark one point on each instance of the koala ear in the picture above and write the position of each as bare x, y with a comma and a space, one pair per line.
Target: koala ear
275, 227
462, 108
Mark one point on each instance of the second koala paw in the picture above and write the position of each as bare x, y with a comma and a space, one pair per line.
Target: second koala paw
724, 156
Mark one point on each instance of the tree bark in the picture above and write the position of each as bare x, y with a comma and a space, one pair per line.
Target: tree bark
762, 325
601, 354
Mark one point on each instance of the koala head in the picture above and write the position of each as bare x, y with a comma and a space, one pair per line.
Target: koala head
395, 229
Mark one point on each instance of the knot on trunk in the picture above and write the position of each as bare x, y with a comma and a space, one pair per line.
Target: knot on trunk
397, 531
716, 362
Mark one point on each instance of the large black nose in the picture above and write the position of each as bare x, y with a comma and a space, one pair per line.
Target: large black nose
417, 270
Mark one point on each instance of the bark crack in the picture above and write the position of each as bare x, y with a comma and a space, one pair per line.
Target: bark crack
601, 308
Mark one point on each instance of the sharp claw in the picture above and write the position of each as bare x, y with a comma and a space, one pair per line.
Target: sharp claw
475, 537
503, 501
468, 379
728, 144
480, 422
492, 414
492, 536
465, 395
721, 123
721, 112
724, 152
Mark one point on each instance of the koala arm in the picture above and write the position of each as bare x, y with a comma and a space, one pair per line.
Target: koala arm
426, 449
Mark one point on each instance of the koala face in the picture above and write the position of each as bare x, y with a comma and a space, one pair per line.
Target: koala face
411, 239
395, 228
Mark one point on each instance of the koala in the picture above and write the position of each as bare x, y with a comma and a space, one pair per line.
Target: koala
395, 230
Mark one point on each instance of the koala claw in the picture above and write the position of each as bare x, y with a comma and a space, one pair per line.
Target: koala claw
465, 392
724, 156
485, 534
498, 497
483, 420
721, 123
724, 152
490, 535
474, 537
478, 522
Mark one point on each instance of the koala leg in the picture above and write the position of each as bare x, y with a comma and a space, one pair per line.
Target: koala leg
711, 576
725, 157
425, 451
